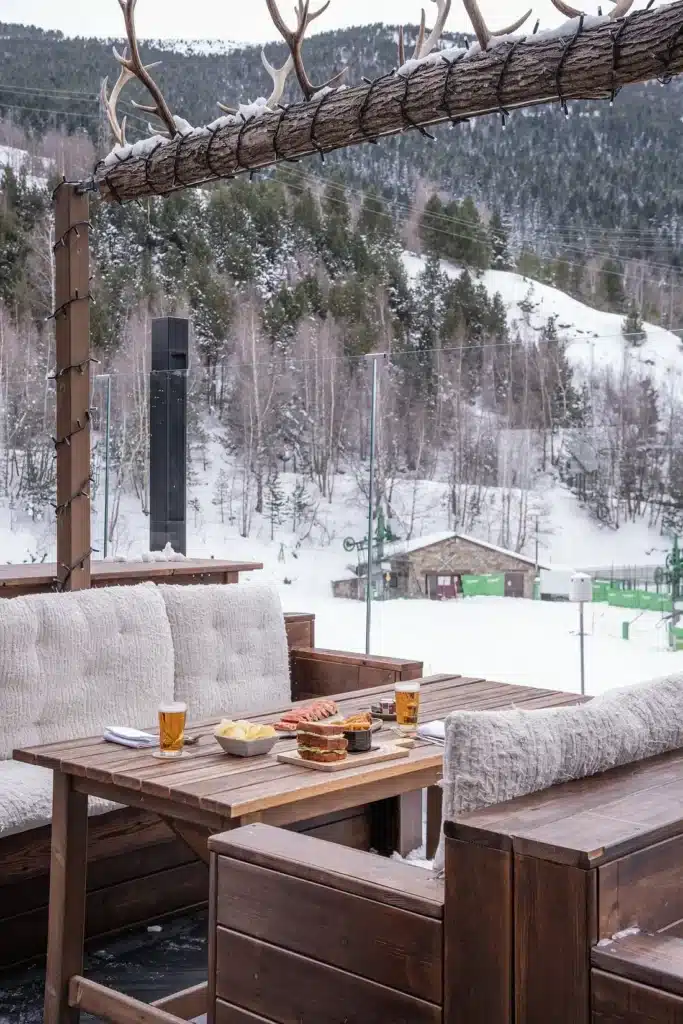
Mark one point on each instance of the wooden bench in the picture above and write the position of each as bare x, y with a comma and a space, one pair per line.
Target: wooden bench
138, 870
534, 892
303, 930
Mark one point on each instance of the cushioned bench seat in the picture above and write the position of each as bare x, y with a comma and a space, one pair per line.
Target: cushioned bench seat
26, 798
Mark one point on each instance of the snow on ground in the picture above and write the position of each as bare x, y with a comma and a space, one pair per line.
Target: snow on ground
517, 641
595, 338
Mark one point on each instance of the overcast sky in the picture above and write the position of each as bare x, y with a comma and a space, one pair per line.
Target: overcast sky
249, 22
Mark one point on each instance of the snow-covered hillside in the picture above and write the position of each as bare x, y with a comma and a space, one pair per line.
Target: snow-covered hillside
19, 161
595, 339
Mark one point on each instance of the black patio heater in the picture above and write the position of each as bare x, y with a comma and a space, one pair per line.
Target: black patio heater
168, 434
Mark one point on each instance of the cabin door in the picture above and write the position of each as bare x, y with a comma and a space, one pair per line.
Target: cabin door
514, 584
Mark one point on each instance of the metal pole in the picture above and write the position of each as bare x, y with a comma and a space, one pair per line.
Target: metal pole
583, 660
536, 559
371, 502
107, 434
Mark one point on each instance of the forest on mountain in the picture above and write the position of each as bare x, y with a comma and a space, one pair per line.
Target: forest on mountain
602, 185
290, 282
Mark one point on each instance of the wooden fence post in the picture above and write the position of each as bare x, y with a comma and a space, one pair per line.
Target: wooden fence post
72, 373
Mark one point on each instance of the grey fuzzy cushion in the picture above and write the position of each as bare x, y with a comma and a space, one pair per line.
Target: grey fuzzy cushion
493, 756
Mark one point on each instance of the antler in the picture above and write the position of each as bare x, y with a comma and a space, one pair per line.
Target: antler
435, 35
136, 69
483, 34
294, 40
621, 9
109, 103
279, 76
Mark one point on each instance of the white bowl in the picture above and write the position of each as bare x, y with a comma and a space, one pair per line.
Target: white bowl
246, 748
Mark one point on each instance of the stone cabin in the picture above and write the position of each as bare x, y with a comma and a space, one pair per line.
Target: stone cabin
434, 566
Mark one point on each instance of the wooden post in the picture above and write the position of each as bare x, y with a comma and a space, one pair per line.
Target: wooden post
72, 440
66, 924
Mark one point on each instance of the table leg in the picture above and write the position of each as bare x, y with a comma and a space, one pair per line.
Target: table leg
434, 814
66, 927
396, 824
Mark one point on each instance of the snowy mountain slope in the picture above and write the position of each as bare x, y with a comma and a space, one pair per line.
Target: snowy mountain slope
18, 160
595, 339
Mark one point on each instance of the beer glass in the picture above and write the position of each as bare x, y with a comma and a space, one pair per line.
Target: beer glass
172, 728
407, 705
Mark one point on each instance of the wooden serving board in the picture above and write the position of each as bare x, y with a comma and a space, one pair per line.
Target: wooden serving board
385, 752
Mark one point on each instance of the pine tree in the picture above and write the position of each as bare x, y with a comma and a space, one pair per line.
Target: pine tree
611, 285
301, 505
632, 326
374, 218
432, 228
275, 503
498, 243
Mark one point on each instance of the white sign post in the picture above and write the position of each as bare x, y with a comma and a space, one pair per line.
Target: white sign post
581, 591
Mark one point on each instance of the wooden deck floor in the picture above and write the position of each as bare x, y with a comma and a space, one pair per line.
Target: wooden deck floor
144, 964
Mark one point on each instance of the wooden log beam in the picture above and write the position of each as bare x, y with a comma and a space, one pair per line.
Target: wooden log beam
72, 350
592, 63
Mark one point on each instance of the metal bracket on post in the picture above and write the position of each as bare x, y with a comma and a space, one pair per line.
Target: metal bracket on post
72, 382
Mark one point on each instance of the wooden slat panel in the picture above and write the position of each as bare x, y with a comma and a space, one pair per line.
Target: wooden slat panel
618, 1001
135, 901
24, 896
226, 1013
27, 854
554, 927
300, 629
655, 960
393, 882
643, 889
478, 946
366, 937
353, 832
285, 987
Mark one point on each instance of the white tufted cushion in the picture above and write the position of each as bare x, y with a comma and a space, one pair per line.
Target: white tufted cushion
71, 664
494, 756
26, 798
231, 654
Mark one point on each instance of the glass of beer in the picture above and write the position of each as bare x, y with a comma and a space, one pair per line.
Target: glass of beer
172, 728
407, 705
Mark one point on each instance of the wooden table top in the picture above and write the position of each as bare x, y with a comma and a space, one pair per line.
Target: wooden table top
589, 821
37, 572
208, 788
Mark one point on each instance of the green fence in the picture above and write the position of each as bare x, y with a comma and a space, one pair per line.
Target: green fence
490, 585
644, 600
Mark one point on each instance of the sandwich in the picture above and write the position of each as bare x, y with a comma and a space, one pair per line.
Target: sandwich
323, 742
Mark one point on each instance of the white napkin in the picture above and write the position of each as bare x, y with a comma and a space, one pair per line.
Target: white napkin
433, 732
129, 737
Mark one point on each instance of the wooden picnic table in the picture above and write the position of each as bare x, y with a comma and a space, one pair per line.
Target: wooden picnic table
206, 792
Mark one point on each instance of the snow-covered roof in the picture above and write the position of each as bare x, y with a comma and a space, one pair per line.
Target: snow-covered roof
405, 547
418, 543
